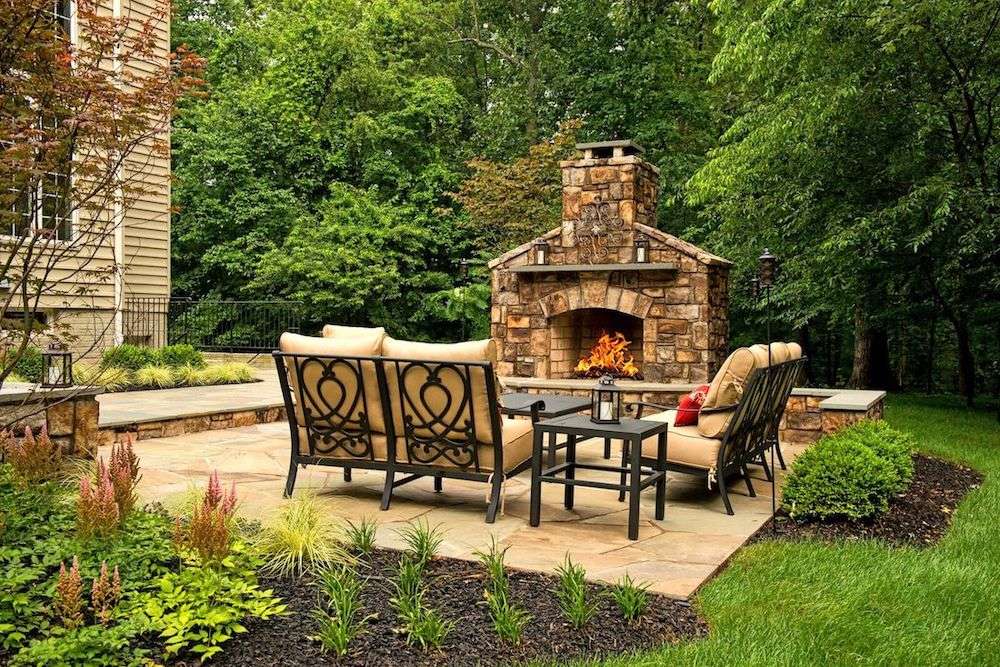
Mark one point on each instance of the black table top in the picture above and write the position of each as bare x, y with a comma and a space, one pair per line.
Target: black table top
581, 425
556, 405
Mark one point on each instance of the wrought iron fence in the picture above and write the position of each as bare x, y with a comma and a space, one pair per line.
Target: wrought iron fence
215, 326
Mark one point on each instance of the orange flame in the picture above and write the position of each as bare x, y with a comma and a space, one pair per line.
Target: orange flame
609, 355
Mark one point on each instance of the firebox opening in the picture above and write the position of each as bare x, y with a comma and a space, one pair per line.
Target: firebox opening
574, 334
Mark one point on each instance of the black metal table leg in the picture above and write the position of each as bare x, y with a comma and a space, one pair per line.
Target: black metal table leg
552, 449
607, 448
536, 482
635, 476
661, 466
623, 480
570, 471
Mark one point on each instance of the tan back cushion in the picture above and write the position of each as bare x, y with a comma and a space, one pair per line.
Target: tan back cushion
444, 402
726, 389
794, 351
364, 335
322, 396
759, 352
779, 353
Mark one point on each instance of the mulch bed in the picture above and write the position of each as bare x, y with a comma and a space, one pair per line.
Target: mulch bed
918, 517
455, 588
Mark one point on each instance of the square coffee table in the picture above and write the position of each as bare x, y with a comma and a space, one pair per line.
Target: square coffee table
556, 405
632, 478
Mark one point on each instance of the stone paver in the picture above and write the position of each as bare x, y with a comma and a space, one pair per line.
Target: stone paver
676, 555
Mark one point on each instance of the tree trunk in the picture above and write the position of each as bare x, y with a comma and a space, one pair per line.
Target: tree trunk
931, 352
966, 362
806, 342
871, 368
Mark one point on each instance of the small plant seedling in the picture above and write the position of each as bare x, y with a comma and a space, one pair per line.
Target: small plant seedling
421, 540
428, 629
572, 594
341, 622
509, 620
493, 560
361, 536
632, 598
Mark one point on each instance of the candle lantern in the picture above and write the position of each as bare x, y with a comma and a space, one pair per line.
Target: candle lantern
463, 269
541, 252
641, 250
606, 401
57, 367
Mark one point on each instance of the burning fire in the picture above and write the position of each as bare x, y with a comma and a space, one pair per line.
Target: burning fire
609, 356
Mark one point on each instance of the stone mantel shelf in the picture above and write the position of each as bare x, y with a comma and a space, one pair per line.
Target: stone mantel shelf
20, 392
581, 268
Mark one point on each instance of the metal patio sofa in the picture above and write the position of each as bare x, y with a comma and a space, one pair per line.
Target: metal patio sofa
357, 398
738, 423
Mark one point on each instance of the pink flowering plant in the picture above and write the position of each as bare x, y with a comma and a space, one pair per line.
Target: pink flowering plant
208, 532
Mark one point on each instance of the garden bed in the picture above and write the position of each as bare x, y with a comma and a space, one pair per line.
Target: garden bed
455, 588
919, 516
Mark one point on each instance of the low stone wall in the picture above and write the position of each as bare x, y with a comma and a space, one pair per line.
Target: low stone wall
166, 428
809, 414
70, 415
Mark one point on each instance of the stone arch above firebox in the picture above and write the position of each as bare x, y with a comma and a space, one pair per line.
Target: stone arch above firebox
596, 295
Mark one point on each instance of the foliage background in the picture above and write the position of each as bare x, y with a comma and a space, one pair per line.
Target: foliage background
349, 154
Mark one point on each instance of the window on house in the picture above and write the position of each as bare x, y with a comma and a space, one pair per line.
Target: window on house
46, 207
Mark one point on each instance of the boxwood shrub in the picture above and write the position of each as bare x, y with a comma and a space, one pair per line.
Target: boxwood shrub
182, 354
851, 474
129, 357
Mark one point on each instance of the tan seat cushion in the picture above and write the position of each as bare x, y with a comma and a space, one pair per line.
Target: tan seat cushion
330, 393
379, 445
684, 444
443, 402
366, 335
726, 389
517, 444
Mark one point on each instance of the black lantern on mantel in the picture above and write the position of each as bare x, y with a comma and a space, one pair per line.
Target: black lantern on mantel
541, 252
57, 367
606, 401
641, 250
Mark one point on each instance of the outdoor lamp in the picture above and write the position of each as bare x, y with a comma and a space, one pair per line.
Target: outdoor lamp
641, 250
606, 401
768, 268
541, 252
463, 269
57, 367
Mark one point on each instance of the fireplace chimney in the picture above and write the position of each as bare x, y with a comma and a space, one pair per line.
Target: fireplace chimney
605, 193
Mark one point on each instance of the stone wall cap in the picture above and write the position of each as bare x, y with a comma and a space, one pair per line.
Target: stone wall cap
21, 392
615, 143
853, 400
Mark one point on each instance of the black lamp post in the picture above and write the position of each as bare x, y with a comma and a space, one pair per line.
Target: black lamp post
57, 367
762, 283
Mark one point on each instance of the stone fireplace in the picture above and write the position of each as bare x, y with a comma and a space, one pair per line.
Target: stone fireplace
554, 297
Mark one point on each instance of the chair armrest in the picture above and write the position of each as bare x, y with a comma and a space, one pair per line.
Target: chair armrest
639, 405
720, 408
535, 408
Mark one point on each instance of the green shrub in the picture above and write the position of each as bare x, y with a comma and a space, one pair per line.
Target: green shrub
887, 443
129, 357
179, 355
92, 645
839, 477
154, 377
28, 367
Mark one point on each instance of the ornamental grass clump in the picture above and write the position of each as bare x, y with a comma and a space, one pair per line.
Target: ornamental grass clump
509, 620
632, 598
67, 605
361, 536
421, 624
341, 621
32, 459
208, 532
422, 541
300, 539
571, 592
154, 377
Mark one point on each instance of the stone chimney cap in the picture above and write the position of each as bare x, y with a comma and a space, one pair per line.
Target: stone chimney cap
606, 149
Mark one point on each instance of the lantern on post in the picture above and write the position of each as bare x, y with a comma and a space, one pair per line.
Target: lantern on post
606, 401
541, 252
463, 269
641, 250
768, 268
57, 367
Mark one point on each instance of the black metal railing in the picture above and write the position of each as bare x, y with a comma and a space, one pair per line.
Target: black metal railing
214, 326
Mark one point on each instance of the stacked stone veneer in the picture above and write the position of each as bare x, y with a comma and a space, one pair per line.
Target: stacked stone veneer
70, 415
681, 312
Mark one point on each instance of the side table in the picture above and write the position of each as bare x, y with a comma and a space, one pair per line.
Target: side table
556, 405
633, 431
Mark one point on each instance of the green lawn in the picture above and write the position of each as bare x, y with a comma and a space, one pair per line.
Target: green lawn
795, 604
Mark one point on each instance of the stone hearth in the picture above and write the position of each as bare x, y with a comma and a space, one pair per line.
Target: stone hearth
673, 306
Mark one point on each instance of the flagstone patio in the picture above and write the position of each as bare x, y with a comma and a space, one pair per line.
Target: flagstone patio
676, 555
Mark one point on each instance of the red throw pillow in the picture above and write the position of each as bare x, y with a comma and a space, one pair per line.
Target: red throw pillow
690, 406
